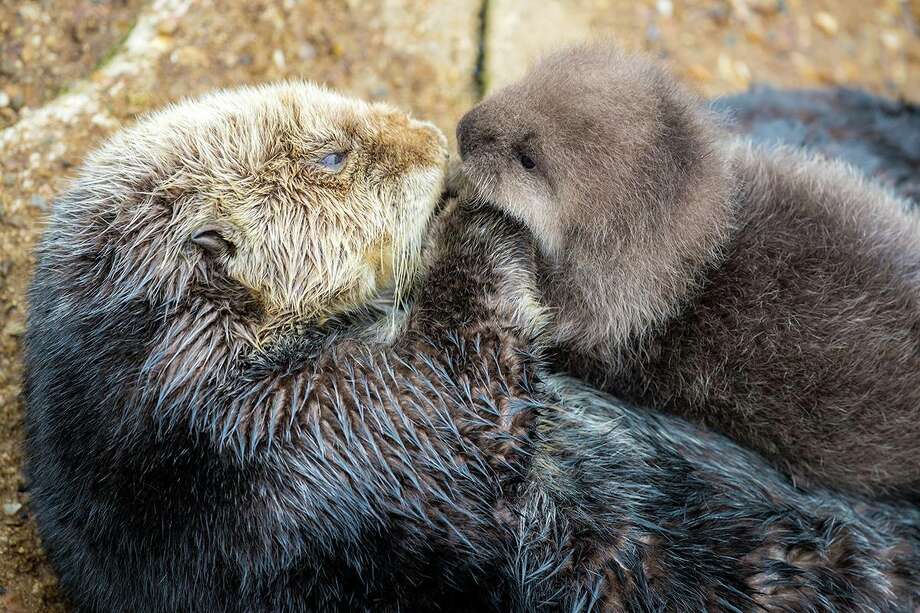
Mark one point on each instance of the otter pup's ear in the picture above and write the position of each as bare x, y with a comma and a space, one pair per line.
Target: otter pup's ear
213, 239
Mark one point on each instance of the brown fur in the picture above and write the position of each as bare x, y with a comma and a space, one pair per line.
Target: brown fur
768, 295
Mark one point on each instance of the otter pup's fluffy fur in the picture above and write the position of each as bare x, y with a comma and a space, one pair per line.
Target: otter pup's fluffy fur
773, 296
198, 442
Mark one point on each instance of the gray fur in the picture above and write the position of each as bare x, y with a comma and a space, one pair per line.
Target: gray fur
768, 294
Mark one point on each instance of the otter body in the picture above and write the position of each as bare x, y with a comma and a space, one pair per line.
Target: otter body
201, 441
802, 339
766, 294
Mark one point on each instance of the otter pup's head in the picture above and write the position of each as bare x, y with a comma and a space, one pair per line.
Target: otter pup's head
616, 169
590, 134
310, 201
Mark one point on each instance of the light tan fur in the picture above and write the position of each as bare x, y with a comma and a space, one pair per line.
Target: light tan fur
308, 242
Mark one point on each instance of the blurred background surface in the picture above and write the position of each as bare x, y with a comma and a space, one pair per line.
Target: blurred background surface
73, 71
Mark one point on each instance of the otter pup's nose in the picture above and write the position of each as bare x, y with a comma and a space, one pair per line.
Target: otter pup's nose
472, 132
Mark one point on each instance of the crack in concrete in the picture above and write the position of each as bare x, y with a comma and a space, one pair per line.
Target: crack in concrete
117, 47
480, 75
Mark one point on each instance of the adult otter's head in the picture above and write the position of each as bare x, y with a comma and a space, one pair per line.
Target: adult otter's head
307, 201
615, 168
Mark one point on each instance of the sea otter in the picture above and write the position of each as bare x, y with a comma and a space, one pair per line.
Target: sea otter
770, 295
212, 428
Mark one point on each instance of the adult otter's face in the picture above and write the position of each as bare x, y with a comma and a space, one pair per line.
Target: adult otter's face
311, 200
588, 142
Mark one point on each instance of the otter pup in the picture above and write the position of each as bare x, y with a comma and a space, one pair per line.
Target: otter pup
212, 428
772, 296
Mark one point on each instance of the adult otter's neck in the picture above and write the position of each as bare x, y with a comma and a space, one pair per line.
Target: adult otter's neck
617, 288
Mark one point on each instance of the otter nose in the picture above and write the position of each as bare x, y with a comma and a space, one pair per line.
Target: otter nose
472, 133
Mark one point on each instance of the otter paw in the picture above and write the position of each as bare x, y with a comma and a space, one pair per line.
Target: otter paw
493, 257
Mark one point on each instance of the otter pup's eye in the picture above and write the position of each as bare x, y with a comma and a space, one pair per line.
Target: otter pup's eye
333, 161
527, 161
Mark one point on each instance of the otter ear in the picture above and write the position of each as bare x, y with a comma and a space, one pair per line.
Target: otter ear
212, 238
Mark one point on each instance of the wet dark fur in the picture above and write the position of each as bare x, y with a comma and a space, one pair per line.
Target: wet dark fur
173, 468
881, 137
769, 296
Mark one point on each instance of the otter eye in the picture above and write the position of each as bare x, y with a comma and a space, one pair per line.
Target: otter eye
527, 161
333, 161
